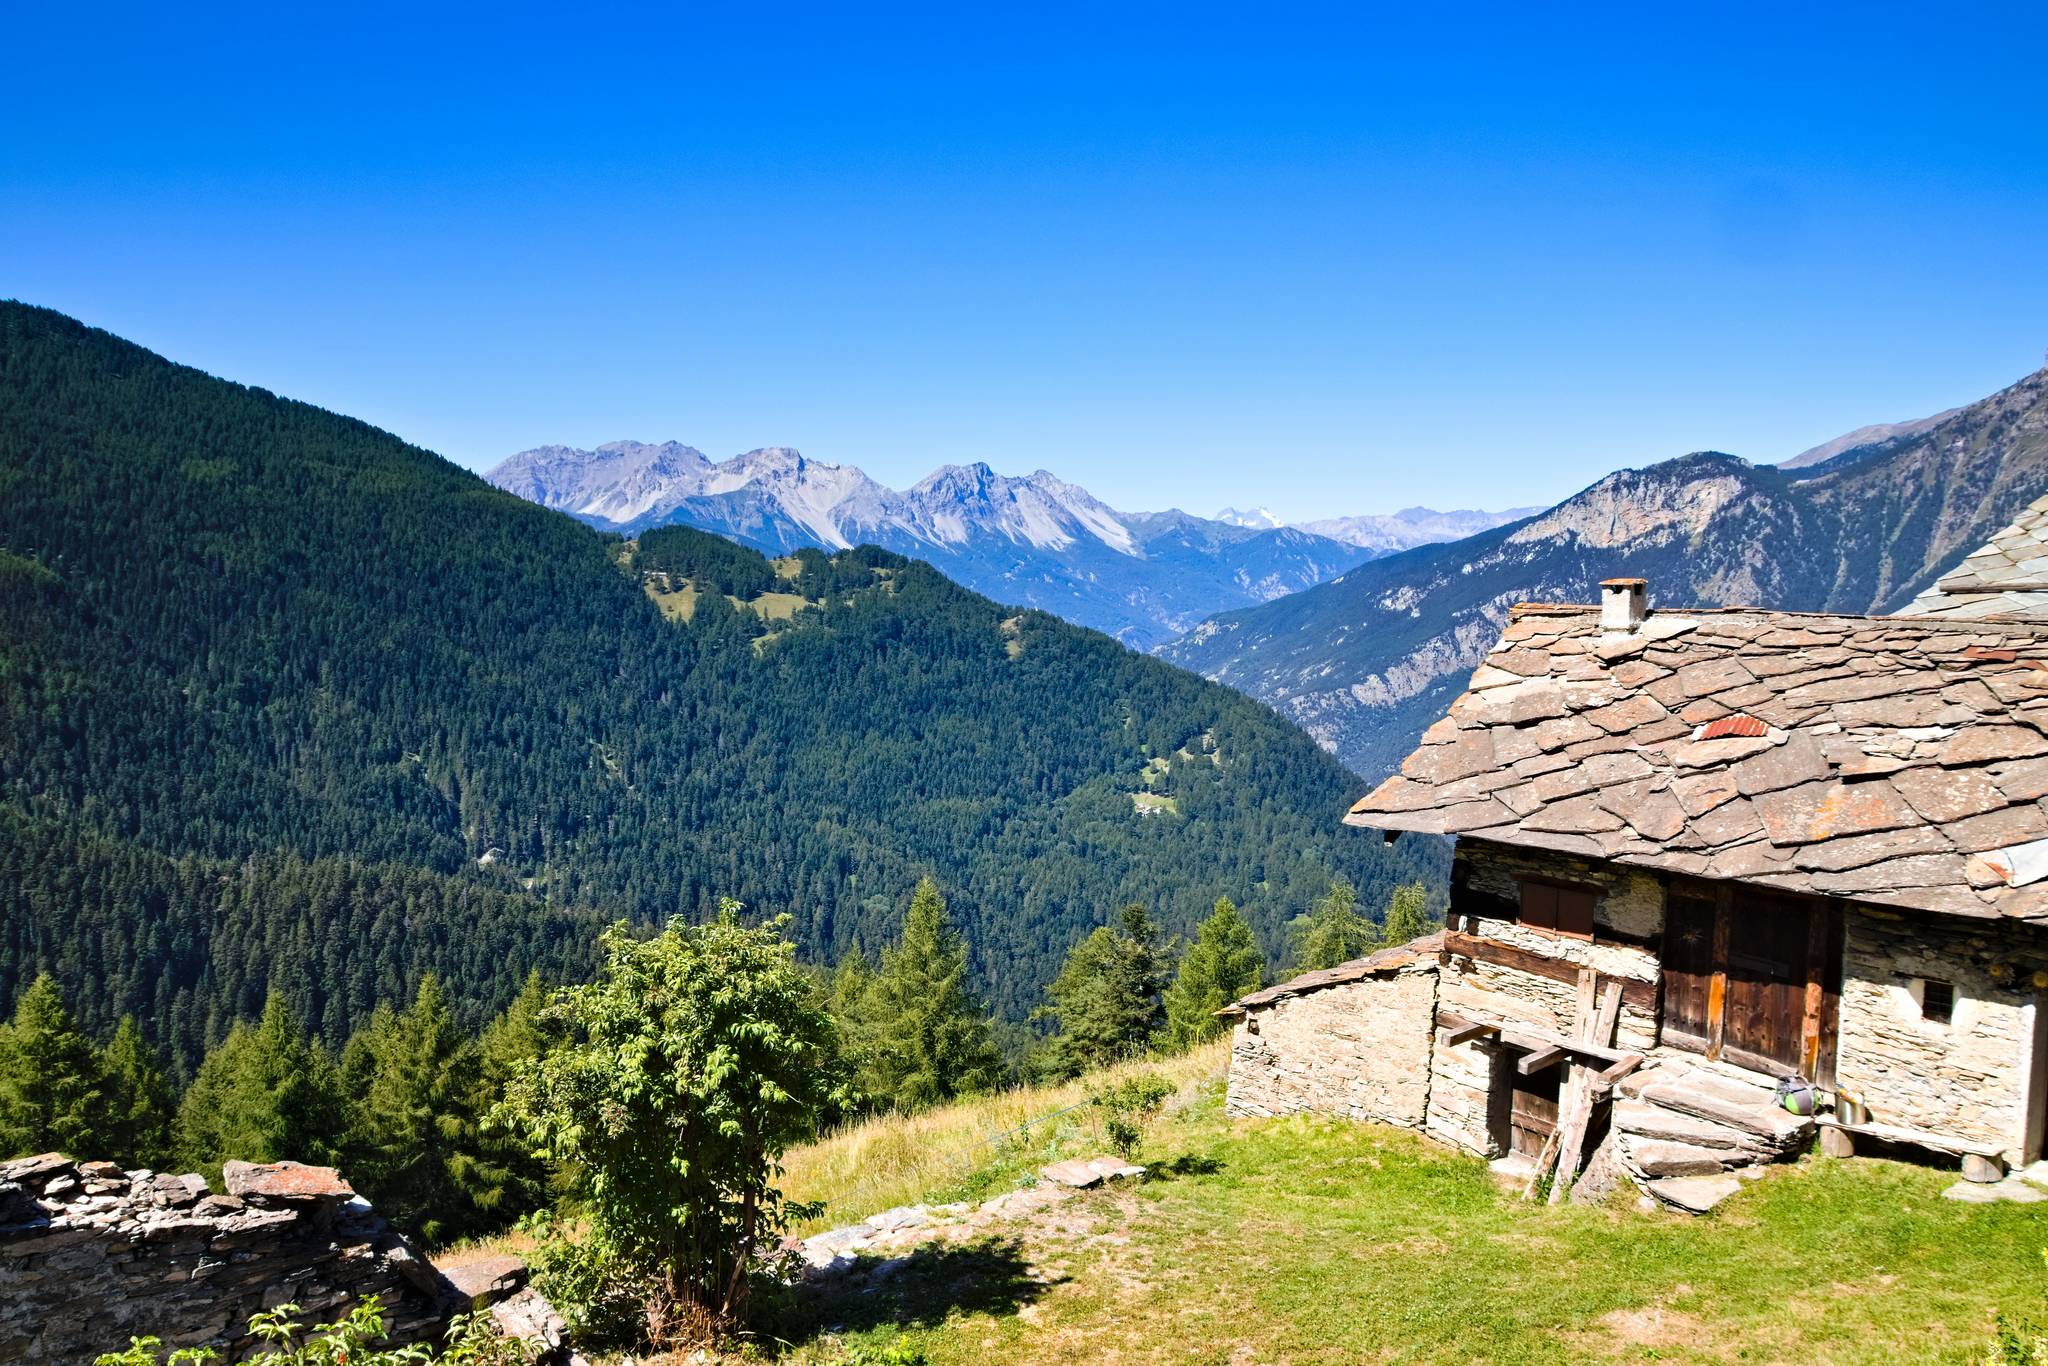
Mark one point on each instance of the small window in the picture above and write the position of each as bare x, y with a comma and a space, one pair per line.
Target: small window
1558, 908
1937, 1001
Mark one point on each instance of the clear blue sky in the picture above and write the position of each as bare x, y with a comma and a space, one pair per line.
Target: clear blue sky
1324, 260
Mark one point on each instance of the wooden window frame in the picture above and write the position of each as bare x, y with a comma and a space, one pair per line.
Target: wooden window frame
1556, 887
1946, 995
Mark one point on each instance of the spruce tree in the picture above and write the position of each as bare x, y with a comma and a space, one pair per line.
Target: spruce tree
511, 1047
850, 1001
1221, 965
421, 1155
930, 1038
1334, 931
263, 1095
53, 1094
139, 1106
1106, 998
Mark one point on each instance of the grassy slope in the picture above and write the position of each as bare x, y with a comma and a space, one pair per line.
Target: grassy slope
1313, 1241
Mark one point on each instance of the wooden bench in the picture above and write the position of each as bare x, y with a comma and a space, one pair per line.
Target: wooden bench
1982, 1162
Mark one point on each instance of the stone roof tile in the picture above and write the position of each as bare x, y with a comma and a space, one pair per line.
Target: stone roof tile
1898, 756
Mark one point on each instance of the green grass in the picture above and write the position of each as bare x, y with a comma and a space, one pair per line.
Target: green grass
1303, 1241
1151, 803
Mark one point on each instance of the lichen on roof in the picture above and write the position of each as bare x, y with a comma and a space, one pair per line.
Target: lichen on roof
1895, 760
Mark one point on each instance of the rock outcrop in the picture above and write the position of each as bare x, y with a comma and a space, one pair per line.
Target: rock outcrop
91, 1255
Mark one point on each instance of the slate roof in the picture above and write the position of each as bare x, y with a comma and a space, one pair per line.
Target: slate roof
2007, 577
1895, 760
1394, 958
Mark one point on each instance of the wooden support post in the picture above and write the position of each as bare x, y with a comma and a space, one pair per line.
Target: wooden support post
1836, 1142
1582, 1032
1596, 1026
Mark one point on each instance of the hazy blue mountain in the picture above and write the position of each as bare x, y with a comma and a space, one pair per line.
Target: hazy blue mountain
1365, 661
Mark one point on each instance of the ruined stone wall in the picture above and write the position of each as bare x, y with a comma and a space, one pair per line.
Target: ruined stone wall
91, 1255
1357, 1049
1967, 1078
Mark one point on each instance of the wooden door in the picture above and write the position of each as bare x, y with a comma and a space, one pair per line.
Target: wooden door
1769, 944
1688, 970
1753, 976
1533, 1117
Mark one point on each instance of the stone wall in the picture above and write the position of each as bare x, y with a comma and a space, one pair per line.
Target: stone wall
91, 1255
1358, 1049
1968, 1078
1627, 919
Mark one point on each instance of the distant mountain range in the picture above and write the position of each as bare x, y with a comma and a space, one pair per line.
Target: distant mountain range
1033, 540
1366, 661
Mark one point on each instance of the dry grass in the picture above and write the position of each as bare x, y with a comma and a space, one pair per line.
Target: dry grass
901, 1159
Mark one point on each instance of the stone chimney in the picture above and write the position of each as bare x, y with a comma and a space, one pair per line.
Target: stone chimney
1623, 603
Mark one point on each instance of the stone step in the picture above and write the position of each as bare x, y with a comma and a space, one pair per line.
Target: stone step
1636, 1117
1657, 1157
1746, 1108
1695, 1194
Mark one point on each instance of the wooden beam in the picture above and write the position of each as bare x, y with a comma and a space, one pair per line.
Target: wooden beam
1536, 1040
1604, 1080
1593, 1026
1641, 995
1609, 1016
1531, 1063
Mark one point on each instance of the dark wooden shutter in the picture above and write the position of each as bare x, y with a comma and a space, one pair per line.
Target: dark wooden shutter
1575, 911
1539, 905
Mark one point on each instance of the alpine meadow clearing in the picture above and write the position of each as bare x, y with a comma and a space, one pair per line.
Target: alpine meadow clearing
1305, 1240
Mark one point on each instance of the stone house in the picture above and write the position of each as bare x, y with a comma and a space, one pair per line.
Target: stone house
1700, 852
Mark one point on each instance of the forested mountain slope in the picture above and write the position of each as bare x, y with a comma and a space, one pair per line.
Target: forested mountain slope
1366, 661
246, 643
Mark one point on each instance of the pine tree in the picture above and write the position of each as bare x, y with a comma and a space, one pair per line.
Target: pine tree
264, 1094
1106, 998
1221, 965
52, 1092
139, 1106
929, 1038
1408, 914
422, 1157
1334, 931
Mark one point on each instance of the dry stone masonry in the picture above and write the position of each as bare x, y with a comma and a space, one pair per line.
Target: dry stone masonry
91, 1255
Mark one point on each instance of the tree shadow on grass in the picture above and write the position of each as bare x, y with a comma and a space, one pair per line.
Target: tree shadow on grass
918, 1290
1187, 1164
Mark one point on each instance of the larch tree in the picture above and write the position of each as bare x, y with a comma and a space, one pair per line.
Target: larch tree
929, 1038
1221, 965
1408, 914
422, 1157
1334, 931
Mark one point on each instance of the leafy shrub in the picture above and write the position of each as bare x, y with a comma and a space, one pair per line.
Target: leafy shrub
349, 1341
1127, 1105
690, 1066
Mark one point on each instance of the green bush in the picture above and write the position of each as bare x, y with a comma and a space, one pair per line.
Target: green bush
1126, 1106
345, 1342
